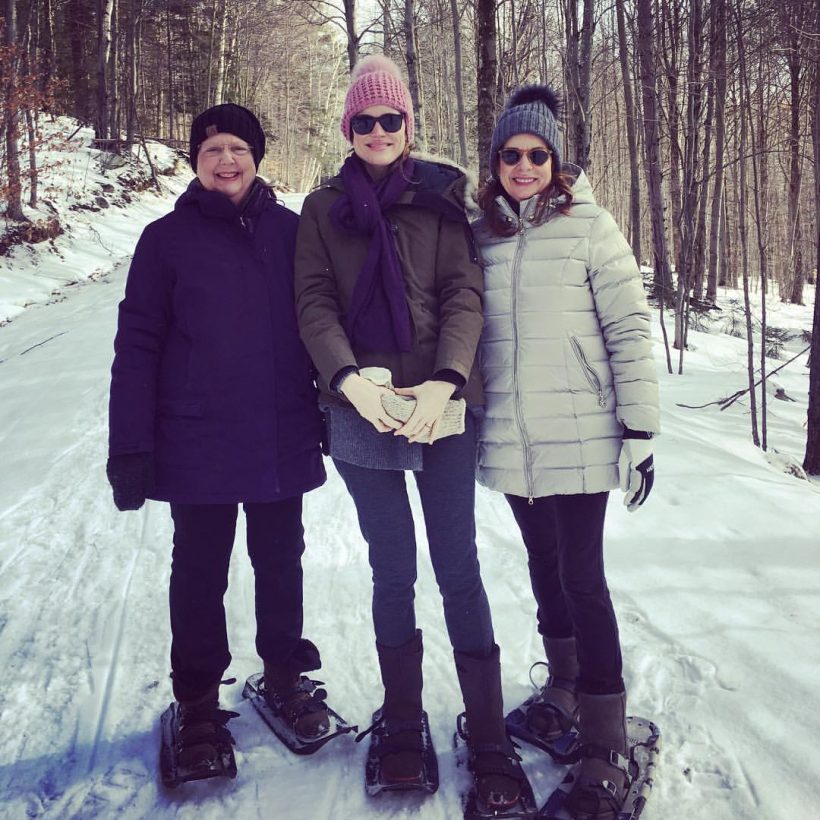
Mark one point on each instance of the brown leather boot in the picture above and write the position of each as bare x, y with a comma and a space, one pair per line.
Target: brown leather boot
292, 695
601, 778
400, 744
555, 709
496, 769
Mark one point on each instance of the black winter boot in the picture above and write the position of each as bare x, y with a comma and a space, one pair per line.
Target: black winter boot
295, 697
500, 782
400, 740
555, 709
601, 778
202, 730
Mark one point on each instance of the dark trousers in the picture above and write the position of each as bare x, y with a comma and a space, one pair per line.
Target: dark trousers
203, 541
565, 549
447, 490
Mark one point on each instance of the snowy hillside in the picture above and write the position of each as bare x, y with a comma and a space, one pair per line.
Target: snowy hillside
716, 582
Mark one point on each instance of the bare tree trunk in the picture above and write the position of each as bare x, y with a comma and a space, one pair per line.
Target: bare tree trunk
222, 24
663, 277
113, 101
631, 136
352, 36
795, 18
691, 175
718, 72
745, 102
486, 74
14, 203
170, 57
761, 195
413, 73
671, 28
104, 11
132, 20
811, 462
31, 131
47, 59
578, 70
461, 123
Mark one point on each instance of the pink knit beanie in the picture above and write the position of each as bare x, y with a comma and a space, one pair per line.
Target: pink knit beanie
376, 80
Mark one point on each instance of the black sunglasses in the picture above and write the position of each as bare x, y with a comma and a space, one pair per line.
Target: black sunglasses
512, 156
364, 123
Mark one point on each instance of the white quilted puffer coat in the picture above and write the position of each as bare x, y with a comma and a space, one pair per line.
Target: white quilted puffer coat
565, 354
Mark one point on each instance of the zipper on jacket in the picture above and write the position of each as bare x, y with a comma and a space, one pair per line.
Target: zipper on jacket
589, 371
519, 415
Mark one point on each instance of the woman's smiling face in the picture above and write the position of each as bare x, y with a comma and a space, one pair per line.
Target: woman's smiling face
380, 148
224, 163
524, 179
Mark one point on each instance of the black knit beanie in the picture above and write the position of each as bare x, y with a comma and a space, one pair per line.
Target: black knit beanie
531, 109
228, 118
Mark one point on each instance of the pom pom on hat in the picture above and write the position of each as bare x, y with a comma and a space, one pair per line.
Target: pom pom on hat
530, 109
527, 94
377, 80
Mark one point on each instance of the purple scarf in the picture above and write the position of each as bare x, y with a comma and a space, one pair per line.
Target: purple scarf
378, 318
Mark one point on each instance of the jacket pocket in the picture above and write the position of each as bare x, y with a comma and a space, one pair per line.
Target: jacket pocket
183, 408
588, 370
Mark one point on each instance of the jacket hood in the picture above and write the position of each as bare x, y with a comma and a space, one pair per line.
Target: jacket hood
582, 194
438, 184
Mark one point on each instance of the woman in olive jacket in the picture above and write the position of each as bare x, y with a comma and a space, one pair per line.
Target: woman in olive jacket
386, 276
571, 407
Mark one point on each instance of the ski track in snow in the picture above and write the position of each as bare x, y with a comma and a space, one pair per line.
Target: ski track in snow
716, 636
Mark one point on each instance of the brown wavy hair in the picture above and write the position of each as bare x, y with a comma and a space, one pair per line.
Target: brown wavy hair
560, 185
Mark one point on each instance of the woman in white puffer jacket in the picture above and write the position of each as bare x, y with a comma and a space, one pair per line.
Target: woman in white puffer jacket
571, 407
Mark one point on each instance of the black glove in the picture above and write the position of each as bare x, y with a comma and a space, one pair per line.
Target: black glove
131, 477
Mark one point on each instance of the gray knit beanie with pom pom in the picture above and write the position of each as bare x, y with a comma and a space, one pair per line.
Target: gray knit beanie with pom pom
530, 109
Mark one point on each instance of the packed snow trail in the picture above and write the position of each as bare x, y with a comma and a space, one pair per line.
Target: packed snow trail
715, 582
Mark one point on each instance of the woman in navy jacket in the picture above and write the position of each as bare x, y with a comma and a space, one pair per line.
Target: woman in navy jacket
213, 404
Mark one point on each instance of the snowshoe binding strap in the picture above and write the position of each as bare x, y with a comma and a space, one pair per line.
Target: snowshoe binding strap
391, 726
202, 733
608, 756
589, 801
300, 700
591, 798
537, 664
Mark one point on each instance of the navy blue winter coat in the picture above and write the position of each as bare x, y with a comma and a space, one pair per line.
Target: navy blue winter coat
209, 372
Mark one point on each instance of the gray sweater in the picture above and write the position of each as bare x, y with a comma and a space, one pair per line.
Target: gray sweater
565, 354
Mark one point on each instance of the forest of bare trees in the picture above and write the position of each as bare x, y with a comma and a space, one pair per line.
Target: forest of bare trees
697, 120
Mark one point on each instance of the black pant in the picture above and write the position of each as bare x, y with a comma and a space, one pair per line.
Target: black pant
203, 541
565, 549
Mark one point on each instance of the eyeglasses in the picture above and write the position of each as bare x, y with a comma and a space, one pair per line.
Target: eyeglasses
234, 149
363, 123
512, 156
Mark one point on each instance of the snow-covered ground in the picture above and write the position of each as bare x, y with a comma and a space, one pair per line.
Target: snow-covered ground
716, 582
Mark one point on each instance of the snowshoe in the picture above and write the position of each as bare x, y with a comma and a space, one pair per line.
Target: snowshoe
644, 743
564, 747
505, 764
196, 744
380, 730
271, 710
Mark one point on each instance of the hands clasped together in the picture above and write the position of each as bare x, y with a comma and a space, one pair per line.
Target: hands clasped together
431, 399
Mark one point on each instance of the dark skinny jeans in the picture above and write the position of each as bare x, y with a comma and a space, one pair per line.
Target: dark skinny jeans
447, 490
565, 550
